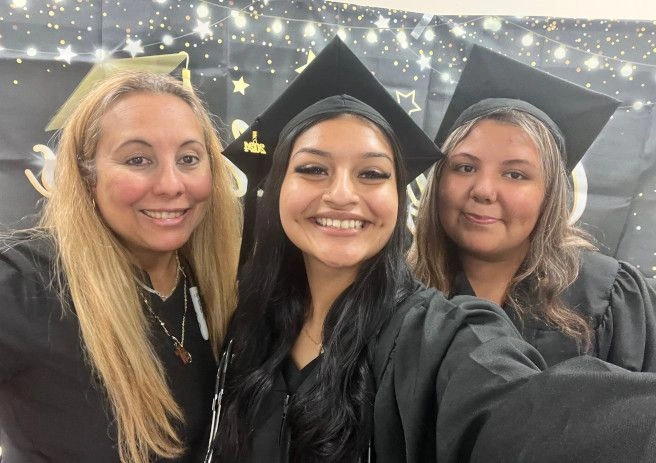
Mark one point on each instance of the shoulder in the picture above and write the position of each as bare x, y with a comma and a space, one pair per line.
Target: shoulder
26, 265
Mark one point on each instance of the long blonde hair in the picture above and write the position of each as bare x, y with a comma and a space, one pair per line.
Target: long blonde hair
552, 261
99, 273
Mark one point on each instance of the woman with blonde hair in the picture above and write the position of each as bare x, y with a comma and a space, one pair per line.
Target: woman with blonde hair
493, 221
115, 305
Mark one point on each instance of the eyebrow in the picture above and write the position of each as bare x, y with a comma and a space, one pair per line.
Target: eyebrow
139, 141
327, 154
505, 163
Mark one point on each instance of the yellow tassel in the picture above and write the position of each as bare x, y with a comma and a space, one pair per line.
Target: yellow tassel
186, 79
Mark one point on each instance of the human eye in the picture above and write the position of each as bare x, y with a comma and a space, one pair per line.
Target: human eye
310, 169
137, 160
464, 168
515, 175
189, 159
374, 174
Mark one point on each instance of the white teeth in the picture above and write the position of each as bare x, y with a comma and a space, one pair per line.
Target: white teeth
163, 214
343, 224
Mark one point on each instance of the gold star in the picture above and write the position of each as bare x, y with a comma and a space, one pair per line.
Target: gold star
411, 95
310, 58
240, 86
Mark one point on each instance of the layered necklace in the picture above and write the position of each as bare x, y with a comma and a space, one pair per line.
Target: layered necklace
178, 344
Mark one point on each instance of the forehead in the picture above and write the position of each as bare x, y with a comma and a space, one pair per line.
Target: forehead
490, 136
345, 129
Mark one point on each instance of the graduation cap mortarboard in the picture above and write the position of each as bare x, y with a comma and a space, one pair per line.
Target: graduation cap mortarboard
334, 71
579, 113
161, 64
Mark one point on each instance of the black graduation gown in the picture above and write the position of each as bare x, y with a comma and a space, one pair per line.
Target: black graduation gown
621, 307
52, 408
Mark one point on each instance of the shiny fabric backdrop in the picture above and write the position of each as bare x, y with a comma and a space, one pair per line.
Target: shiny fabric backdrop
243, 54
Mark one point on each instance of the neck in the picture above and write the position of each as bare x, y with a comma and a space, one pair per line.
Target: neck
490, 279
326, 284
162, 271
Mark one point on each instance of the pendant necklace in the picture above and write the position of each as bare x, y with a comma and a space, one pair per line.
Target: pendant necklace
178, 344
316, 343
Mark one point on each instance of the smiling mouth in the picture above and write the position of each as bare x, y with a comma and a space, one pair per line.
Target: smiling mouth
340, 224
480, 219
164, 214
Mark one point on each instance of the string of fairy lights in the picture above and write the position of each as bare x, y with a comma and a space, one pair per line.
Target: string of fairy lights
387, 23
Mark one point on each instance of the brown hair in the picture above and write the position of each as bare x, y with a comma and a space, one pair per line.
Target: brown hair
553, 258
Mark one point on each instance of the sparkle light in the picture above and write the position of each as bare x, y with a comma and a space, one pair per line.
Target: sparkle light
626, 70
18, 3
31, 51
133, 47
527, 40
430, 35
638, 105
240, 20
65, 54
592, 62
424, 62
100, 54
372, 37
445, 77
382, 23
309, 30
167, 40
160, 1
560, 52
492, 23
202, 28
202, 11
458, 31
276, 27
402, 39
342, 34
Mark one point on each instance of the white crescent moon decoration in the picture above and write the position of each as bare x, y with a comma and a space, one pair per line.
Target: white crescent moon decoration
580, 193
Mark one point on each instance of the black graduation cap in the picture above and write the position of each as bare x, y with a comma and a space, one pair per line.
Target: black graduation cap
334, 71
579, 113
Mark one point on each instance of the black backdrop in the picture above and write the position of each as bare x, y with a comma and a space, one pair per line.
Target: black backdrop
242, 54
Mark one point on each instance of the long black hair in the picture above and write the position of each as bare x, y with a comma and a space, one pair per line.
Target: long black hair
332, 421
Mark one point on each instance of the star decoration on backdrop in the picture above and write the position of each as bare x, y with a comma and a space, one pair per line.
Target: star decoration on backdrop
240, 86
65, 54
310, 58
382, 23
424, 62
133, 47
203, 29
411, 95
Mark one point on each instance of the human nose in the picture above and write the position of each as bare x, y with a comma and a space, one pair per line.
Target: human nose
484, 189
341, 191
169, 180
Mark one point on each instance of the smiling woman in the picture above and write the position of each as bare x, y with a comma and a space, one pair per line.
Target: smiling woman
102, 320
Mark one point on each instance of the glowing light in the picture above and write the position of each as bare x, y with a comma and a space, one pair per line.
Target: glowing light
638, 105
240, 21
424, 62
31, 51
458, 31
372, 37
309, 30
402, 39
18, 3
100, 54
527, 40
167, 40
160, 1
382, 23
65, 54
492, 23
445, 77
202, 11
626, 70
202, 28
276, 27
342, 34
592, 62
133, 47
560, 52
430, 35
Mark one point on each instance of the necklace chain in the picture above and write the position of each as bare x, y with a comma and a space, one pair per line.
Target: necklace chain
178, 344
315, 342
164, 297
